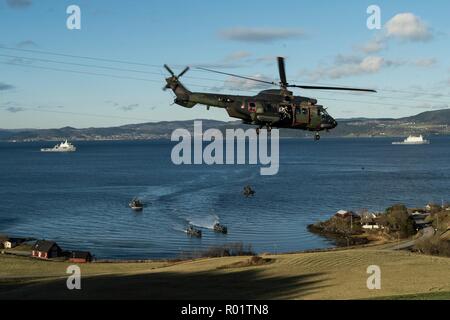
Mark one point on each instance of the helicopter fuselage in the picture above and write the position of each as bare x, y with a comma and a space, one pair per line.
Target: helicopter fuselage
269, 108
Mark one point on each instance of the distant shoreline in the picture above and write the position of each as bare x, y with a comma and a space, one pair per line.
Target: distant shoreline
167, 139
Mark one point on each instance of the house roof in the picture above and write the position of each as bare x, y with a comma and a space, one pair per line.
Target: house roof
80, 254
44, 245
368, 215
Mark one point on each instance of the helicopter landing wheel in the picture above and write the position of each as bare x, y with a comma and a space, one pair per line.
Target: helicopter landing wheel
317, 136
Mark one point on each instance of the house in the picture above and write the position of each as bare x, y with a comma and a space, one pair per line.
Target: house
80, 257
432, 207
346, 214
420, 212
44, 249
369, 221
420, 220
9, 243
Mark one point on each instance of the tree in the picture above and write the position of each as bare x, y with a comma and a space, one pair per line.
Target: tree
398, 220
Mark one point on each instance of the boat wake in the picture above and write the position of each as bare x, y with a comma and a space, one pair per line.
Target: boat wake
207, 222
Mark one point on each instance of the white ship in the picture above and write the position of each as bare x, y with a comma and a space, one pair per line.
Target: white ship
413, 140
62, 147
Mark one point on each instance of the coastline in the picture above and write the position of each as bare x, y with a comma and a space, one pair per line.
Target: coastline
166, 138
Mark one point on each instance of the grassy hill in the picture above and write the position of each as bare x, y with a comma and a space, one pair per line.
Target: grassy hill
339, 274
439, 117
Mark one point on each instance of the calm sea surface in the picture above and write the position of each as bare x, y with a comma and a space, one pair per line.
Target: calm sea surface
80, 199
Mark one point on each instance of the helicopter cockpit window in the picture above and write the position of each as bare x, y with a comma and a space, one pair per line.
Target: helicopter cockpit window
323, 113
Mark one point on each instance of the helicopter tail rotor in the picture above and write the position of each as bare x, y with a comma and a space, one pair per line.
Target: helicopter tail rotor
173, 76
169, 70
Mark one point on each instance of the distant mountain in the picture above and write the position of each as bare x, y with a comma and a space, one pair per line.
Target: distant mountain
426, 123
438, 117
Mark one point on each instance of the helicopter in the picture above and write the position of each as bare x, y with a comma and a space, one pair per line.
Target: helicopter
272, 108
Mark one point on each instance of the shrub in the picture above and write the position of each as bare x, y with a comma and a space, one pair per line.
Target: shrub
226, 250
229, 250
434, 246
440, 220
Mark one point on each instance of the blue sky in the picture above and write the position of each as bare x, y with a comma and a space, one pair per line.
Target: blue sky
323, 42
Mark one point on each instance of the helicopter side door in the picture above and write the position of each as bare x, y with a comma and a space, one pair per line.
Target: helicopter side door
302, 115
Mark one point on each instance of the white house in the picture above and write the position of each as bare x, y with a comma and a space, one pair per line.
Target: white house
369, 221
8, 244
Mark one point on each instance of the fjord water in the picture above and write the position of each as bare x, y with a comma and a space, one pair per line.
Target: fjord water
80, 199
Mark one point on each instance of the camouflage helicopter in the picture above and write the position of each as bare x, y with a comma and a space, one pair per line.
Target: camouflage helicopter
277, 108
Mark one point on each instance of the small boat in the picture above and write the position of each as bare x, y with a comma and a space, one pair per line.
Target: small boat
248, 191
62, 147
136, 205
193, 232
412, 140
220, 228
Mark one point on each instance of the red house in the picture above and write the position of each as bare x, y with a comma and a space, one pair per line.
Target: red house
44, 249
80, 257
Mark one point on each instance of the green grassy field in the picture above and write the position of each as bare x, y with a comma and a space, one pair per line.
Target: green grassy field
322, 275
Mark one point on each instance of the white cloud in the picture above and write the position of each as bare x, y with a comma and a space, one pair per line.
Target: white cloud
234, 83
129, 107
236, 56
426, 62
403, 26
373, 46
245, 34
346, 66
354, 65
371, 64
407, 26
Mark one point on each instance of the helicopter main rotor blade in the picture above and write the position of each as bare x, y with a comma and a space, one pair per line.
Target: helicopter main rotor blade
237, 76
331, 88
169, 70
282, 71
